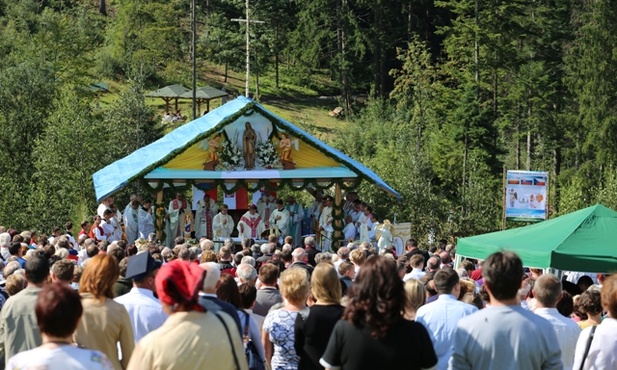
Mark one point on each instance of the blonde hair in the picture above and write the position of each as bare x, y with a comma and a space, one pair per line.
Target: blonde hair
467, 286
15, 284
208, 256
325, 284
99, 277
415, 294
357, 257
295, 285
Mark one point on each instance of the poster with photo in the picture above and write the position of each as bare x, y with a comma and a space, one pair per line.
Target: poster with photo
526, 195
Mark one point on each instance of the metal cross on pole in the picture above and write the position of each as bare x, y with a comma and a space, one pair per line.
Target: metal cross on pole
248, 42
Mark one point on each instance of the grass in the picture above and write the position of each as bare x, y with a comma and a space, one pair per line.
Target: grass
301, 105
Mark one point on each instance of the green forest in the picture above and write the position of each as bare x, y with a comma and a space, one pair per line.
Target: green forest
457, 90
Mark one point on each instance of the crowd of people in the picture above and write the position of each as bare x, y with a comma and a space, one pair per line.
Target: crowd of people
89, 303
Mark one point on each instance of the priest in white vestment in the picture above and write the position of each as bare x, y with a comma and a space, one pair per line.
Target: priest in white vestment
175, 218
279, 219
222, 224
250, 225
206, 209
265, 206
325, 225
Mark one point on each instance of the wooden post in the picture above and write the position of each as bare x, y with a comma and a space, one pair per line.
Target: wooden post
338, 216
159, 214
548, 195
505, 195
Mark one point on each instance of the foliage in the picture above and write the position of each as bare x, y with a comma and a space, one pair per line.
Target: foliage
65, 159
132, 123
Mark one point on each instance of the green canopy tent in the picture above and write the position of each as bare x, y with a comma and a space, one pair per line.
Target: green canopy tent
204, 93
585, 240
167, 93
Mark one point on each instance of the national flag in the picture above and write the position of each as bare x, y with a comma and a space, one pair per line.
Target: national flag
237, 200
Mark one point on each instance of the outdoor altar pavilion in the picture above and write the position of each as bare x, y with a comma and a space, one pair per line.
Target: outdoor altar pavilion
216, 150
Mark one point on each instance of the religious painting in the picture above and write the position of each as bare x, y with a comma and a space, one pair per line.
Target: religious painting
251, 143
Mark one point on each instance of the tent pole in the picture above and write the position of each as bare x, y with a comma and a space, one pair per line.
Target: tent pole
457, 260
338, 216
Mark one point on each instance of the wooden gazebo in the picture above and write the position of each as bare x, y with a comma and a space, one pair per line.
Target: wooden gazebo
204, 94
168, 93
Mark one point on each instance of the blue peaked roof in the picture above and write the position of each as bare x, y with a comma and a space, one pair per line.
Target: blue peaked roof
147, 162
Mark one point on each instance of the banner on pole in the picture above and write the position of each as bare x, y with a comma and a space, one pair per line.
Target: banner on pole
237, 200
526, 195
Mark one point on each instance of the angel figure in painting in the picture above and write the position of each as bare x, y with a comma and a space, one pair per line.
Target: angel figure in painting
211, 146
285, 145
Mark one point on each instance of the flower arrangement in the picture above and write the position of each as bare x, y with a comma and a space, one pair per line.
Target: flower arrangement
266, 155
231, 156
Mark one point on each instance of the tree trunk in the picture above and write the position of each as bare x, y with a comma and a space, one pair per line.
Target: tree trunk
529, 145
555, 184
226, 68
102, 7
517, 137
276, 57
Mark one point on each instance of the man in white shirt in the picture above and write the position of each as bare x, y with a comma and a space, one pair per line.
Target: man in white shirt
144, 309
547, 291
441, 316
417, 264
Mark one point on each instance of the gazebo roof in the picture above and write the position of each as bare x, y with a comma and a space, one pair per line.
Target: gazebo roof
178, 156
171, 91
205, 93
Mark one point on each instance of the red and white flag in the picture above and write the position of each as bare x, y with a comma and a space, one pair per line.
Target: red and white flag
237, 200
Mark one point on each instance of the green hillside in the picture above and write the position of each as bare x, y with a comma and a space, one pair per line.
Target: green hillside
438, 96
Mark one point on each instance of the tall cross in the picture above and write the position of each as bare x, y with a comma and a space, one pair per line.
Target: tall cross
248, 55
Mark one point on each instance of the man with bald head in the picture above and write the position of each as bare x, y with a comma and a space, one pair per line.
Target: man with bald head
433, 264
300, 260
445, 259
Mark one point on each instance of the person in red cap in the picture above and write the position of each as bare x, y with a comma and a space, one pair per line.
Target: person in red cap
191, 338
